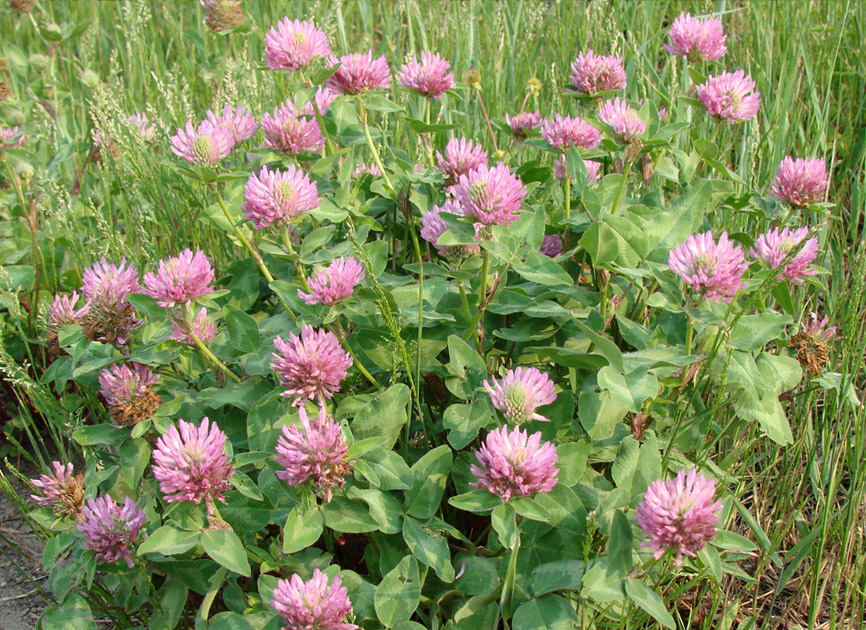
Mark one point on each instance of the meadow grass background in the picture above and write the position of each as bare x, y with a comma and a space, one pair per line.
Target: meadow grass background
809, 500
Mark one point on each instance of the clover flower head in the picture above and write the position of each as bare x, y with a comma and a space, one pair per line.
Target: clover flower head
310, 365
812, 343
239, 121
591, 73
800, 182
728, 97
564, 132
180, 279
432, 77
110, 317
492, 196
522, 123
713, 269
772, 247
204, 145
141, 124
625, 121
679, 514
515, 464
61, 489
560, 169
274, 197
109, 529
551, 245
293, 45
128, 390
696, 39
521, 391
461, 156
292, 131
334, 283
313, 605
359, 73
202, 326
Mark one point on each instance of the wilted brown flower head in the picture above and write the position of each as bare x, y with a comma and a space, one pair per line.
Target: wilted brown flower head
813, 343
223, 15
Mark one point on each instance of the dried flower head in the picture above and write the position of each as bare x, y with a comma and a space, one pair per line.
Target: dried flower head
551, 245
310, 366
222, 16
627, 125
239, 121
128, 390
110, 317
431, 78
522, 123
521, 392
515, 464
191, 464
292, 131
180, 279
491, 195
110, 529
591, 73
812, 343
696, 39
272, 197
62, 490
728, 97
313, 451
334, 283
203, 327
461, 156
566, 132
293, 45
679, 514
713, 269
560, 169
800, 182
773, 247
359, 73
313, 605
22, 6
202, 146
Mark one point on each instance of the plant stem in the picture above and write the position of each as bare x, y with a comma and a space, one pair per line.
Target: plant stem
362, 114
299, 267
625, 172
210, 355
243, 239
487, 119
566, 180
321, 121
341, 335
465, 302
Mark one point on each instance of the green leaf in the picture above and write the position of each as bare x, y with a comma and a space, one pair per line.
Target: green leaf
172, 599
630, 390
146, 305
302, 529
430, 476
528, 508
556, 576
399, 593
348, 516
246, 486
619, 552
419, 126
605, 346
169, 541
385, 508
378, 103
649, 601
768, 412
384, 416
243, 331
550, 612
94, 434
73, 614
463, 422
229, 621
753, 332
430, 547
542, 270
504, 523
226, 548
359, 448
571, 459
733, 542
477, 501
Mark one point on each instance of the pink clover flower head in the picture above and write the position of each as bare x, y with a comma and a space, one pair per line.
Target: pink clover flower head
292, 131
522, 123
272, 197
107, 284
551, 245
364, 168
125, 384
60, 489
565, 132
313, 605
800, 182
203, 327
515, 464
240, 122
624, 119
696, 39
359, 73
591, 73
490, 195
560, 169
190, 464
521, 392
310, 366
772, 247
461, 156
314, 451
180, 279
713, 269
728, 97
679, 514
817, 329
432, 225
11, 137
293, 45
431, 77
334, 283
62, 311
141, 123
323, 97
202, 146
110, 529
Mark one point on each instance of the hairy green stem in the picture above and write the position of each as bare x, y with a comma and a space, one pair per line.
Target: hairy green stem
362, 114
299, 267
210, 355
341, 336
243, 239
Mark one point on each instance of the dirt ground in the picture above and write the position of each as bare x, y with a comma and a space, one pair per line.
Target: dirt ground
21, 602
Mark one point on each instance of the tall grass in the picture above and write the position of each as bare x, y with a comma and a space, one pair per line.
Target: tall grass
809, 500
